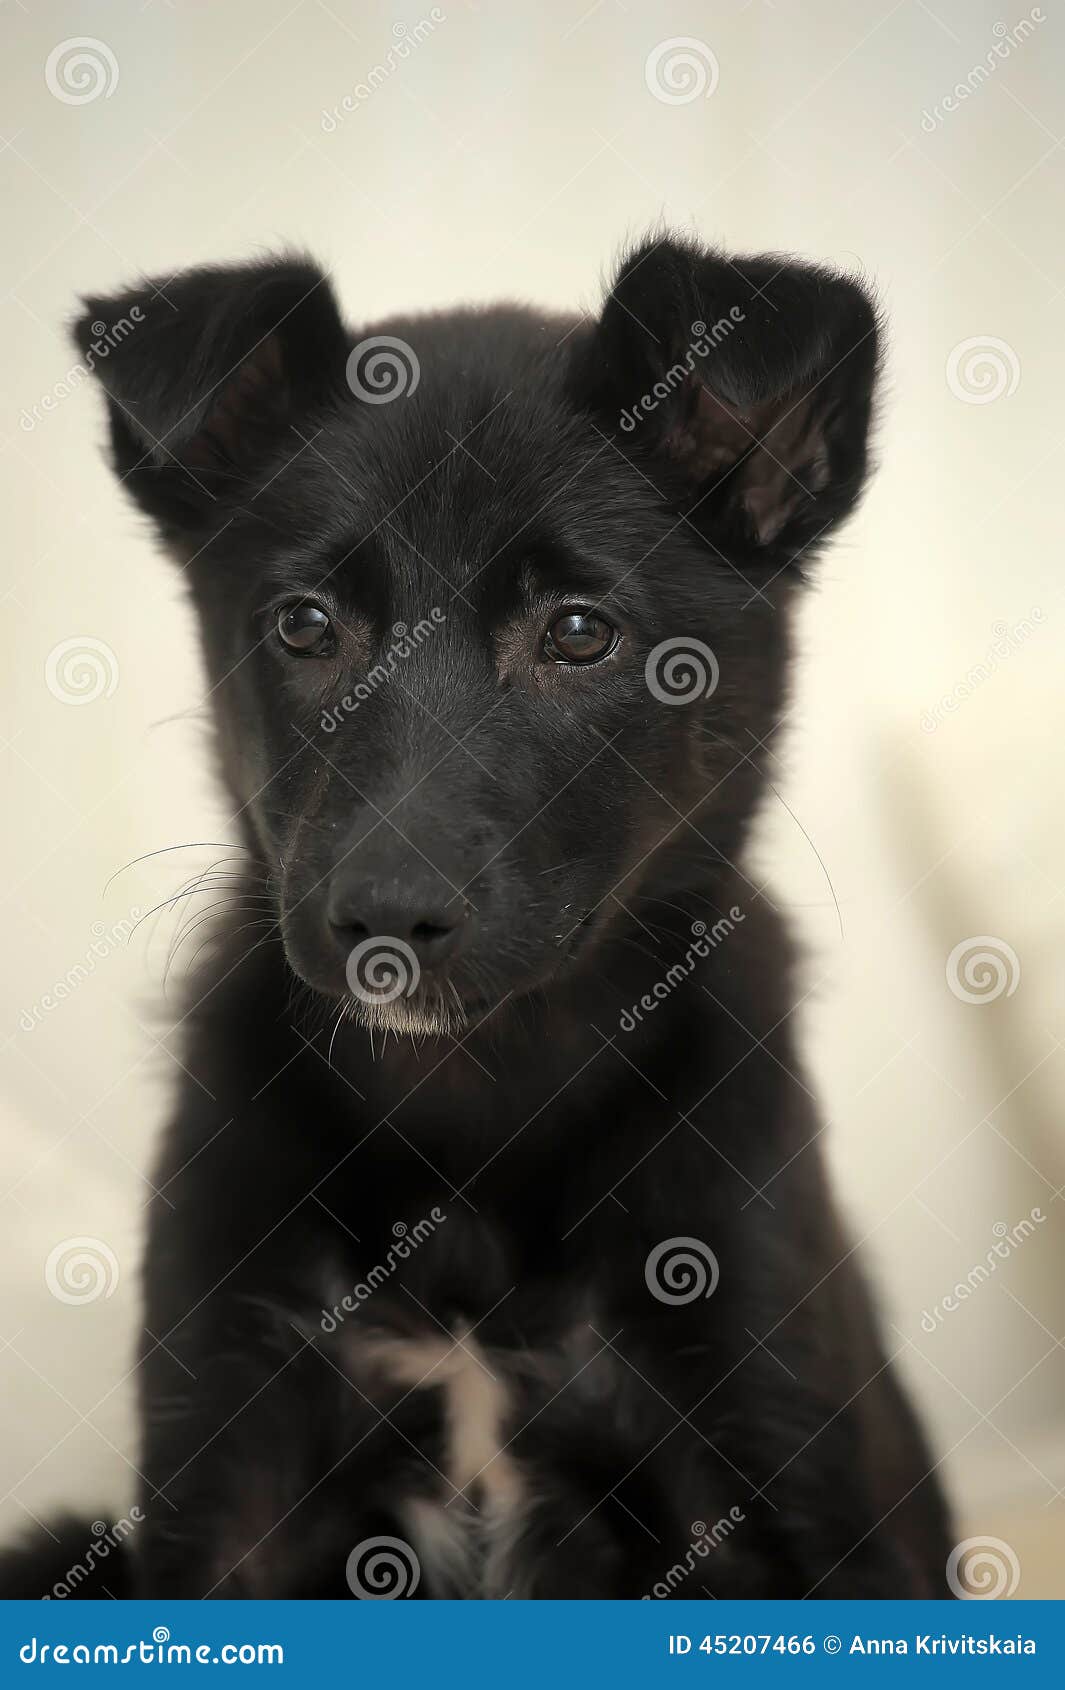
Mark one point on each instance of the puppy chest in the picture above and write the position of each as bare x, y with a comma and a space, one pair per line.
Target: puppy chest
476, 1397
464, 1505
461, 1505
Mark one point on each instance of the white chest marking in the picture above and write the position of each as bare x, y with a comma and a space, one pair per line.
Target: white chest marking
476, 1408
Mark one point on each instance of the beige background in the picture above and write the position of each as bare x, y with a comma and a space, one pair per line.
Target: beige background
510, 153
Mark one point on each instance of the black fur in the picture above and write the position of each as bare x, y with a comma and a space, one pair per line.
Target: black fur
69, 1560
675, 482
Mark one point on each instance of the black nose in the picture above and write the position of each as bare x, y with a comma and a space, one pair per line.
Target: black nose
436, 930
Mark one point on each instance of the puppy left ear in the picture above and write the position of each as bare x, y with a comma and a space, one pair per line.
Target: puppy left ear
742, 387
206, 376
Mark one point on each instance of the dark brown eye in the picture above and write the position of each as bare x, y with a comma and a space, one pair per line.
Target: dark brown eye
580, 637
305, 629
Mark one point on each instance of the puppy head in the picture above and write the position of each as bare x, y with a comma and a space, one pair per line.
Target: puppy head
492, 602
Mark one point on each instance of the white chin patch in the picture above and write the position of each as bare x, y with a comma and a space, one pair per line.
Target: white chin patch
433, 1011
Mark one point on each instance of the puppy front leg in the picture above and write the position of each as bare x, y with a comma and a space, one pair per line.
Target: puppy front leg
256, 1469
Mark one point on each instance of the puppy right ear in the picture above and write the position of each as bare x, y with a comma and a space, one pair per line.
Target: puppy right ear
206, 378
741, 387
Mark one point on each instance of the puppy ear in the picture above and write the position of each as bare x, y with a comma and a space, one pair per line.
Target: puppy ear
207, 374
742, 387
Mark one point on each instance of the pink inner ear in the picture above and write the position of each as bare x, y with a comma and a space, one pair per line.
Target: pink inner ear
255, 393
711, 435
786, 466
789, 467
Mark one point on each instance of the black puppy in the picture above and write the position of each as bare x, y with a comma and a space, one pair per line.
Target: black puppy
544, 1294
